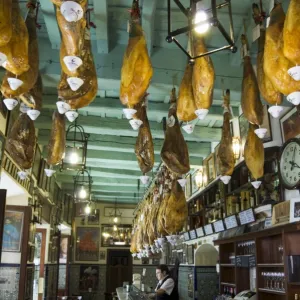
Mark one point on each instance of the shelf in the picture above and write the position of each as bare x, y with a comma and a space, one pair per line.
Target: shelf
271, 291
294, 283
270, 265
227, 265
228, 284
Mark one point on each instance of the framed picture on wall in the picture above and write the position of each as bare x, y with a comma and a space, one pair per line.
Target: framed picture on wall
87, 243
210, 167
12, 231
188, 187
63, 250
194, 185
216, 161
88, 278
267, 124
290, 124
295, 210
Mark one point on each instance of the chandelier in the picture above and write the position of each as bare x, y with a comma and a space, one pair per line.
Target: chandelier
76, 148
200, 19
82, 187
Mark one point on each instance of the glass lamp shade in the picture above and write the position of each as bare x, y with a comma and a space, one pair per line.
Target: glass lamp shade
74, 158
82, 192
236, 147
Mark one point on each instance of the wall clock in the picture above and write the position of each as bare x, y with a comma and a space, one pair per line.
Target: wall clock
290, 164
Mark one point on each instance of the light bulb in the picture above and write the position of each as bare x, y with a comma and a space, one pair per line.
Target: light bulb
87, 210
116, 220
200, 16
74, 158
82, 193
115, 228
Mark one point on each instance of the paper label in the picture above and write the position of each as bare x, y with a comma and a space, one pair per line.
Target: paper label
267, 22
171, 121
128, 26
255, 33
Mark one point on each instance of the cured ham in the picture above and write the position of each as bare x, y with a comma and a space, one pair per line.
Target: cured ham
174, 152
6, 21
144, 148
33, 98
254, 153
266, 88
72, 34
16, 49
276, 65
225, 156
57, 141
203, 76
251, 103
186, 105
136, 71
87, 72
291, 33
28, 77
21, 142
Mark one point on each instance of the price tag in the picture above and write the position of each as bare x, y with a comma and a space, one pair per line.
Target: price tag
193, 234
268, 222
267, 22
231, 222
208, 229
144, 271
219, 226
186, 236
255, 33
200, 232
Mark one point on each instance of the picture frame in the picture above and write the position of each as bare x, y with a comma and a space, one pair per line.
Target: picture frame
290, 124
267, 124
88, 278
295, 209
216, 160
102, 255
13, 224
210, 167
188, 187
193, 182
37, 162
87, 245
94, 219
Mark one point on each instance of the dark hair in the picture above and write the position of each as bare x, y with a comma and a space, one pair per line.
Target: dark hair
163, 268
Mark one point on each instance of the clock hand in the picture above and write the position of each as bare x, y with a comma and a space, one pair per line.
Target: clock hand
293, 165
293, 160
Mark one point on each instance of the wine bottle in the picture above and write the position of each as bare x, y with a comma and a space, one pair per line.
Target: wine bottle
252, 199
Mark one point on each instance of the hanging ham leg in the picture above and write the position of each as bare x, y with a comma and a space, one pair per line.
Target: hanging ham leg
175, 152
186, 102
16, 49
276, 65
29, 77
203, 76
225, 156
21, 142
291, 33
254, 153
57, 141
251, 103
6, 21
144, 148
266, 88
136, 71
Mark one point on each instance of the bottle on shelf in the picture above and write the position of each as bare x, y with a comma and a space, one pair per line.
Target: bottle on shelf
218, 198
296, 297
232, 293
245, 202
252, 199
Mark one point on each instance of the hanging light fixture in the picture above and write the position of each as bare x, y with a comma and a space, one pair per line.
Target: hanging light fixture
200, 19
76, 148
115, 215
82, 187
236, 147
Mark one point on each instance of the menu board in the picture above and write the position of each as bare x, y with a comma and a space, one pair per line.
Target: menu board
219, 226
208, 229
186, 236
193, 234
246, 216
231, 222
200, 232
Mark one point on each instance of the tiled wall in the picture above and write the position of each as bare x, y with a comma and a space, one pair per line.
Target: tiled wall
183, 282
150, 278
9, 282
74, 282
207, 283
51, 280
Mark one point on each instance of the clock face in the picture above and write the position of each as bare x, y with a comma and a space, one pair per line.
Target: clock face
290, 164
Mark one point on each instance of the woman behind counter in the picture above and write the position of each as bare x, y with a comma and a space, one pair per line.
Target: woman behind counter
166, 287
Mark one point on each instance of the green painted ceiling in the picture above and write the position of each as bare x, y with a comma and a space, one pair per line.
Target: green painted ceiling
111, 157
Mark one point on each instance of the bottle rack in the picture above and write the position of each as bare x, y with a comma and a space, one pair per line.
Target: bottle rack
272, 250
